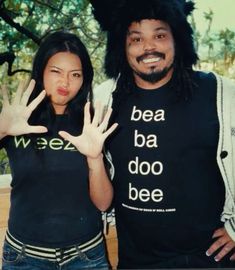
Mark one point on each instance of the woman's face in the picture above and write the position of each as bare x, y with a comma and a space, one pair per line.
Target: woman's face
62, 79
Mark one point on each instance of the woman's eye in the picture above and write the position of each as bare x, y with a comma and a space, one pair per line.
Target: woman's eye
55, 70
76, 75
160, 36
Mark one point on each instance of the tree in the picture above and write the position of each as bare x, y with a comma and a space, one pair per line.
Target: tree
216, 49
24, 23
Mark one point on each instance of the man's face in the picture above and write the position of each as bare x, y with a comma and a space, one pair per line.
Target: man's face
150, 51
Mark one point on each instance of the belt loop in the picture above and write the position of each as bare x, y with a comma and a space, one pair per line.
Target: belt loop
81, 254
23, 250
62, 250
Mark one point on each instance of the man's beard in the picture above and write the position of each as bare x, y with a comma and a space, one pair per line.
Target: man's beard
154, 76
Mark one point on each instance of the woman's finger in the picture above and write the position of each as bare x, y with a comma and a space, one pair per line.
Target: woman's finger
110, 130
37, 129
27, 93
104, 124
95, 120
5, 97
32, 106
87, 115
19, 92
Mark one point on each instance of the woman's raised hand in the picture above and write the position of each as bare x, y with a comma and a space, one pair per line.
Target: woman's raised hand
14, 115
90, 142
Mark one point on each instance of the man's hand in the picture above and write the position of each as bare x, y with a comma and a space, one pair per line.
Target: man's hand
223, 242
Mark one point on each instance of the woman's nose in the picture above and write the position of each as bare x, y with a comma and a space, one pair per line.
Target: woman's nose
65, 80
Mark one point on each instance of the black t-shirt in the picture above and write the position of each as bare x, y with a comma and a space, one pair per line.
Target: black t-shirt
169, 193
50, 202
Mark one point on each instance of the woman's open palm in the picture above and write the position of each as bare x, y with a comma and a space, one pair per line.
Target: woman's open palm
90, 142
14, 115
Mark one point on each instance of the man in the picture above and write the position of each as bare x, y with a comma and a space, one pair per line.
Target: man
173, 153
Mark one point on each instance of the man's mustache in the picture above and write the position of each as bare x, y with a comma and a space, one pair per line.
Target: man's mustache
156, 54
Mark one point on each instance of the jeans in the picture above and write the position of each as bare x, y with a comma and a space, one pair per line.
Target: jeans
94, 258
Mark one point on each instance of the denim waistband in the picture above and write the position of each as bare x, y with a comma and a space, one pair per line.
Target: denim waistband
60, 255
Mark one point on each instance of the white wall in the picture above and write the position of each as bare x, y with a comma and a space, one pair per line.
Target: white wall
5, 180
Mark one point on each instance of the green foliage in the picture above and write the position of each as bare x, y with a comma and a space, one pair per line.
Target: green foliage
25, 23
216, 49
4, 165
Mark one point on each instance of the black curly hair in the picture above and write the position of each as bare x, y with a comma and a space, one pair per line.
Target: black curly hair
115, 17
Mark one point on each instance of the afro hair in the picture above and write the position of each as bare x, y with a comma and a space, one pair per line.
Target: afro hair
115, 17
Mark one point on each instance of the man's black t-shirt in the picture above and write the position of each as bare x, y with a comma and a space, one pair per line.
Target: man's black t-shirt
169, 193
50, 202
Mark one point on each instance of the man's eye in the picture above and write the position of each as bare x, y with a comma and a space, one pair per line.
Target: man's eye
136, 39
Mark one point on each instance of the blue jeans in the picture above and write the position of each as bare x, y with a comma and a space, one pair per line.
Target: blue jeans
94, 258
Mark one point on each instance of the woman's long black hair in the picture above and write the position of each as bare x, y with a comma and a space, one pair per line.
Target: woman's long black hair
55, 43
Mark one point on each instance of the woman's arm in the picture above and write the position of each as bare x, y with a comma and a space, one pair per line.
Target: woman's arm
90, 143
101, 190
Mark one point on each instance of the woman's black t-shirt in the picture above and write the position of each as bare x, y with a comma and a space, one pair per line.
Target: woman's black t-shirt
50, 202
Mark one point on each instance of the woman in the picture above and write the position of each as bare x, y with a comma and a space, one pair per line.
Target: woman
58, 175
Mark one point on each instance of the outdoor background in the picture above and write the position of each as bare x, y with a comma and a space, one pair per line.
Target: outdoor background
23, 24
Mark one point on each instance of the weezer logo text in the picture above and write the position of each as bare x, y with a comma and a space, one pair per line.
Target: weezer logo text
43, 143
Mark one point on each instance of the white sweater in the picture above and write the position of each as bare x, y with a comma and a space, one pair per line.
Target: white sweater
226, 145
